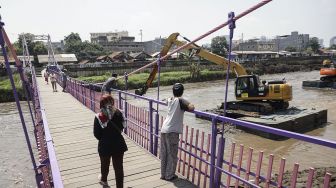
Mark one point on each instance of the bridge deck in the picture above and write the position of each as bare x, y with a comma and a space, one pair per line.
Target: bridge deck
71, 126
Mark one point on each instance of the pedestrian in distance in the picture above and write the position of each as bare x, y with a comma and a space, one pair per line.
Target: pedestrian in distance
64, 80
109, 84
46, 77
171, 128
107, 128
53, 81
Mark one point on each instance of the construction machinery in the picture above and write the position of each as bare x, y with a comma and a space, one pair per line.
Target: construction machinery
251, 94
328, 72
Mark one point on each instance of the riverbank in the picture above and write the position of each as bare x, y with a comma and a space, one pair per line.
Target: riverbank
166, 78
6, 90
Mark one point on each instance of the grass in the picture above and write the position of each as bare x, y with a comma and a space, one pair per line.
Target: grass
6, 90
166, 78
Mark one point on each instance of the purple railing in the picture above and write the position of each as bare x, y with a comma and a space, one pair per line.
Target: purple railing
47, 156
200, 155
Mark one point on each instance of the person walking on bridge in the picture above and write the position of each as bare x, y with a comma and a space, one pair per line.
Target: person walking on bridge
64, 80
108, 126
53, 81
46, 77
171, 128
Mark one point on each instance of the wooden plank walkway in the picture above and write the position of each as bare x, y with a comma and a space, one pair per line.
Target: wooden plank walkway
71, 127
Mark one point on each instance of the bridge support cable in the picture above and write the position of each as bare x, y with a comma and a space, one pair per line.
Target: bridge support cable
47, 173
253, 8
4, 40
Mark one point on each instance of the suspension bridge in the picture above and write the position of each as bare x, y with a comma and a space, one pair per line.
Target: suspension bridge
68, 157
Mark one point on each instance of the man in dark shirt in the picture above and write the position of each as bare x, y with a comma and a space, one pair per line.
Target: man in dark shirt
110, 83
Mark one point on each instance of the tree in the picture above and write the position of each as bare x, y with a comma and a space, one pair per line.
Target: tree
39, 48
73, 37
219, 46
314, 44
290, 49
82, 50
333, 47
73, 43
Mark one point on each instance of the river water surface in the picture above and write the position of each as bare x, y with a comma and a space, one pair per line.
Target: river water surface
208, 95
16, 169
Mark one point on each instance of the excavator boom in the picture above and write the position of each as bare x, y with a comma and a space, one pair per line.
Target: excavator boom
172, 40
250, 93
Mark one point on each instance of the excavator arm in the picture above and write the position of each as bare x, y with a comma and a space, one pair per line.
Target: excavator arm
172, 40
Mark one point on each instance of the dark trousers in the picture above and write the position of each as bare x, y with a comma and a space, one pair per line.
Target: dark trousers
117, 160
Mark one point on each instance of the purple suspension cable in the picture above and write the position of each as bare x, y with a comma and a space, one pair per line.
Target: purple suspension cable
10, 75
205, 35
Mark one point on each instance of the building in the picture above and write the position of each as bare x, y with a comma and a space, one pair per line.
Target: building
60, 58
256, 45
295, 40
242, 56
155, 45
333, 41
321, 41
117, 41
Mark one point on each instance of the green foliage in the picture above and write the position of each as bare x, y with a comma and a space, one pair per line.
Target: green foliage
40, 48
34, 48
166, 78
6, 90
333, 47
290, 49
83, 50
315, 46
219, 46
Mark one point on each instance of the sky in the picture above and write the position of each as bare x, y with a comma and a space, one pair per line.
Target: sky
156, 18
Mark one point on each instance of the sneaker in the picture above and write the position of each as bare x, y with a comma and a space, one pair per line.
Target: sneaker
103, 183
172, 178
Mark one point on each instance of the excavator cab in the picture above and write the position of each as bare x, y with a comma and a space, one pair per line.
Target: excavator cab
328, 72
249, 86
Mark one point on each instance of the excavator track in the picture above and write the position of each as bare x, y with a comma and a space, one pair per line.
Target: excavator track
262, 108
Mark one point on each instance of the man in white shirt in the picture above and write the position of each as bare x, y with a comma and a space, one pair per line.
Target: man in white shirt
171, 128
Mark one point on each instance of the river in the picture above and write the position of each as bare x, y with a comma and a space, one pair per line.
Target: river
208, 95
16, 169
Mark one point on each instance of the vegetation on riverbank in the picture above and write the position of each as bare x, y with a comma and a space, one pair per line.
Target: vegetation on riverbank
6, 90
166, 78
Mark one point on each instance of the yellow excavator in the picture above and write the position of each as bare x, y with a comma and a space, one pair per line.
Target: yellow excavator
251, 94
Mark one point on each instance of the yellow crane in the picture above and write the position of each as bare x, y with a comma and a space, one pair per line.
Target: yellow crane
251, 94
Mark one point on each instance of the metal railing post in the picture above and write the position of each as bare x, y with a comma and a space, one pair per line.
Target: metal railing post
213, 151
156, 134
125, 107
120, 99
91, 100
151, 126
220, 155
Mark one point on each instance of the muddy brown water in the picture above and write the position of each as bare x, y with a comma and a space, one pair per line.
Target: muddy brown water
16, 169
208, 95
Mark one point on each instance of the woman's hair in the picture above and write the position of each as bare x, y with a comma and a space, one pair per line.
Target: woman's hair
105, 99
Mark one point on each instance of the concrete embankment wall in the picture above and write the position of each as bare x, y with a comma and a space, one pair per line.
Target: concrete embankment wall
277, 65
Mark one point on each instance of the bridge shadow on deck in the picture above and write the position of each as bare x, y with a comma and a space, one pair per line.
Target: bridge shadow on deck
71, 127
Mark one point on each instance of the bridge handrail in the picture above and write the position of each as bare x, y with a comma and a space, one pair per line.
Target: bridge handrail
289, 134
55, 171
